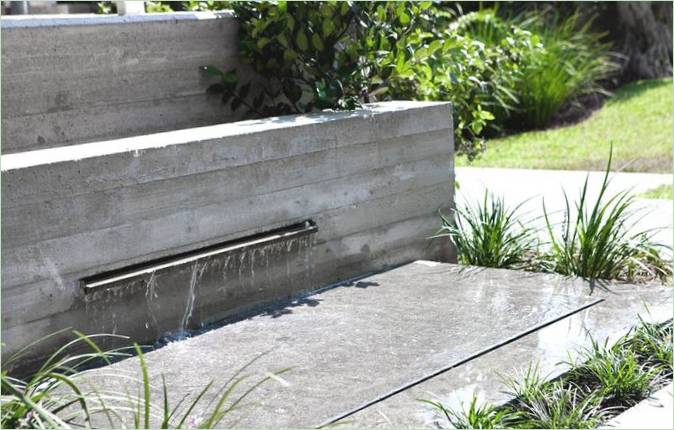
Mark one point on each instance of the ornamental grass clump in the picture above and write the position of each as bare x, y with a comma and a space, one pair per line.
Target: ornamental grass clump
613, 372
561, 406
568, 60
476, 416
489, 234
598, 239
652, 344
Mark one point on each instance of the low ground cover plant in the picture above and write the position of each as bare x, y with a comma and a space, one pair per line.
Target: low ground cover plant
601, 383
59, 395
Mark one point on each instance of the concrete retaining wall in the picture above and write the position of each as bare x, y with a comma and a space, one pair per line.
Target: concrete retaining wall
372, 180
74, 79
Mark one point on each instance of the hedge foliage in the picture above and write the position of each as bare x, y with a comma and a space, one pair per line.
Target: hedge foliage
497, 71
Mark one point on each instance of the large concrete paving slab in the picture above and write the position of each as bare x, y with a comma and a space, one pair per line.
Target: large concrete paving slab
352, 344
548, 347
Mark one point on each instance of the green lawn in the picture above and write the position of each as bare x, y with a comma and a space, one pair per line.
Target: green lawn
661, 192
637, 119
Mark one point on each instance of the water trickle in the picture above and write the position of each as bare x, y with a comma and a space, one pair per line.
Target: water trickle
150, 294
197, 273
242, 257
252, 264
266, 267
150, 291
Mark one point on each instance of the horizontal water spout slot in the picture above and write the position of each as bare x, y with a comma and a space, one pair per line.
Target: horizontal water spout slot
110, 279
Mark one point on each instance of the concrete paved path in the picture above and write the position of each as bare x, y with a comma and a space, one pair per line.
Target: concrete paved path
656, 412
356, 344
532, 186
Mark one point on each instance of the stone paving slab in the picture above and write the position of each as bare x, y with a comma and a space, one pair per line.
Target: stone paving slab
351, 344
549, 346
656, 412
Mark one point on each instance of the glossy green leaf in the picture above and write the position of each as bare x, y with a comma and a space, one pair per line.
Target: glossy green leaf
316, 42
301, 41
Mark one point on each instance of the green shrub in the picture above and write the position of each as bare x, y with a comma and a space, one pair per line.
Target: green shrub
319, 55
478, 79
570, 61
339, 55
489, 234
563, 60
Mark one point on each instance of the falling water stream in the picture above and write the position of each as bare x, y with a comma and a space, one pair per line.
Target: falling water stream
251, 269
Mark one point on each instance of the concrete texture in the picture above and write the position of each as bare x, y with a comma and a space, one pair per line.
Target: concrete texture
532, 186
350, 344
656, 412
372, 180
73, 79
548, 348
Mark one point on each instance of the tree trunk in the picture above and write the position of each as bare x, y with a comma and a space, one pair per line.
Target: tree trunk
643, 31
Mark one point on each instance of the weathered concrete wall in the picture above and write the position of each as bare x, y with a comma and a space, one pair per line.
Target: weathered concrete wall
372, 180
74, 79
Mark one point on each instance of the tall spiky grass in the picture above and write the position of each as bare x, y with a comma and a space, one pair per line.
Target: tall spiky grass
60, 393
566, 60
489, 233
563, 59
598, 238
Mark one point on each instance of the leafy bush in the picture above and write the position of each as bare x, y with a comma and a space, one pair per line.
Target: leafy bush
339, 55
478, 79
317, 55
564, 60
570, 61
489, 234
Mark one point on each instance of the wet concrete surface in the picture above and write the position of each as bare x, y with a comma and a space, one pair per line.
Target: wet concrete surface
349, 345
548, 348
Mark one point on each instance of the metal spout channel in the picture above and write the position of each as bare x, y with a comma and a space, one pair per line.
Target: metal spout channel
110, 279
